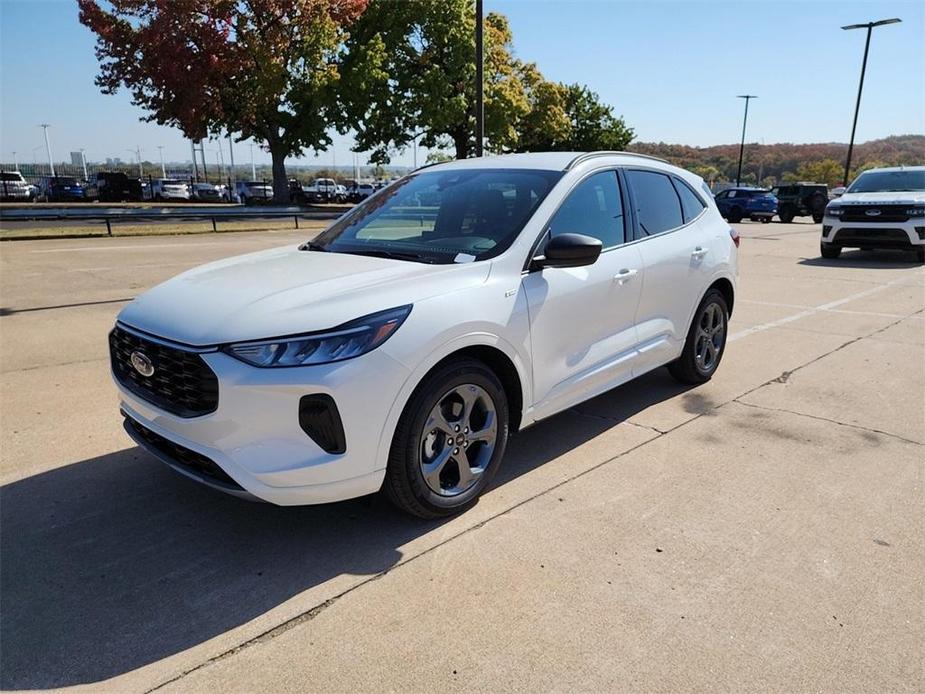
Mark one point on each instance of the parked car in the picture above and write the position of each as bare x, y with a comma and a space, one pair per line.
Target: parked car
254, 192
169, 189
361, 192
341, 194
801, 200
112, 186
207, 192
757, 204
60, 189
322, 190
14, 187
367, 360
882, 208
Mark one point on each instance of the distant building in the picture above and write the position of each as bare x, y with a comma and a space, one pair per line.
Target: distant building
77, 159
113, 162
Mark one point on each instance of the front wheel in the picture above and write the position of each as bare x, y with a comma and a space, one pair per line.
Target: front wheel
735, 215
786, 214
449, 441
829, 250
706, 341
765, 220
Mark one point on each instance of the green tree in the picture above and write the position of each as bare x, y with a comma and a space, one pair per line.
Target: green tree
826, 171
265, 69
409, 71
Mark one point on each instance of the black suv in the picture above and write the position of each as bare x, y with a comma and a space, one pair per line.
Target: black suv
801, 200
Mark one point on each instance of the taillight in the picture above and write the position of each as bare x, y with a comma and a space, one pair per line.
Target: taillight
734, 235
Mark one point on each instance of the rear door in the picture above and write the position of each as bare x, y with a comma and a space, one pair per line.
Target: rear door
582, 319
674, 239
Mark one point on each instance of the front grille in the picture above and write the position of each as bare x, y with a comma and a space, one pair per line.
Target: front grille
862, 235
888, 213
182, 382
181, 456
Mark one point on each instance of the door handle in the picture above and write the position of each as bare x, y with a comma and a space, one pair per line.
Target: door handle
699, 252
625, 275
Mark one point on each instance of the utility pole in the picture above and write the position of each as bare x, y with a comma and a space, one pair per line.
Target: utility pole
479, 81
51, 163
747, 98
192, 151
83, 160
232, 194
160, 149
857, 107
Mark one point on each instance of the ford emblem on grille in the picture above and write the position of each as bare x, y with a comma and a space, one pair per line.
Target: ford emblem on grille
872, 213
142, 363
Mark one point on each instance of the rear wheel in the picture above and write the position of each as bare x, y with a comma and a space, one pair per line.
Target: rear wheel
706, 341
829, 250
765, 220
449, 441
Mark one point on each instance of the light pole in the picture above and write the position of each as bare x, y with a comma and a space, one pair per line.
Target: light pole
83, 160
479, 78
747, 98
15, 161
160, 149
869, 26
137, 153
51, 163
233, 182
253, 168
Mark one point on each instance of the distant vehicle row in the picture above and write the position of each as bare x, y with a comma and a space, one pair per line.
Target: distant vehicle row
785, 201
114, 186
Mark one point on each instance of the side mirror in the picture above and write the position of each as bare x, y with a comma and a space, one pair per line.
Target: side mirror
569, 250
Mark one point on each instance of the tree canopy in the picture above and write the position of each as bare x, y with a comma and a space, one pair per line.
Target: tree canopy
265, 69
409, 71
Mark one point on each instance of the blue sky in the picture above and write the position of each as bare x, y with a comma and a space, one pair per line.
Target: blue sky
672, 69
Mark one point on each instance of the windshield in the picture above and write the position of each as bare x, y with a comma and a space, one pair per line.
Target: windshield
442, 216
10, 177
888, 182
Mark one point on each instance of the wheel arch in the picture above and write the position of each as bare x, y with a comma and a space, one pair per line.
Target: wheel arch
726, 289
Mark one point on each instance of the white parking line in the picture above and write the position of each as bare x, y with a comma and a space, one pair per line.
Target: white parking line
828, 310
814, 310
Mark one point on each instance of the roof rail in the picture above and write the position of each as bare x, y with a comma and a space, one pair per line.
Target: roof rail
589, 155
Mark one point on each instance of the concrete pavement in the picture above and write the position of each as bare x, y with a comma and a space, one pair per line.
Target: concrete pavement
761, 532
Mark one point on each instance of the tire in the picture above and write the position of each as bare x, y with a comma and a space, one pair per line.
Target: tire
829, 250
424, 439
765, 220
920, 254
706, 341
817, 218
786, 214
735, 215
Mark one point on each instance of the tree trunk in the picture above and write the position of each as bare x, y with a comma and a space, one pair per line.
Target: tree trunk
461, 140
280, 181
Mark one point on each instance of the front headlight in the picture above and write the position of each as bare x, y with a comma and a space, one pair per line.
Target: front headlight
344, 342
833, 211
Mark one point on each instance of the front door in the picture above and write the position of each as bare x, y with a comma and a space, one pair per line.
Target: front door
582, 320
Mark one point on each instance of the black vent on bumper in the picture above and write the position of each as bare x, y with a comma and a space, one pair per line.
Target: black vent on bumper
893, 238
198, 464
319, 418
182, 383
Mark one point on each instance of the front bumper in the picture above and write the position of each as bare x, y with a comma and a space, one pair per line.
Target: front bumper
850, 234
255, 437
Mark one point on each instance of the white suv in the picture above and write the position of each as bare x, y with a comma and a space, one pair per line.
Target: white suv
401, 347
882, 208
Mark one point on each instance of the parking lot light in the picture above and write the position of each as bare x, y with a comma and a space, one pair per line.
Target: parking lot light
51, 163
869, 26
747, 98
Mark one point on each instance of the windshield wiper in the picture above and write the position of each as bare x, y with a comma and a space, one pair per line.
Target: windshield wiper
312, 246
395, 255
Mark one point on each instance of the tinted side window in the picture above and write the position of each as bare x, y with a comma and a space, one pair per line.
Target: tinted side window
658, 208
691, 204
594, 209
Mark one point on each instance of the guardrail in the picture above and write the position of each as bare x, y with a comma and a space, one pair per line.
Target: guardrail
123, 214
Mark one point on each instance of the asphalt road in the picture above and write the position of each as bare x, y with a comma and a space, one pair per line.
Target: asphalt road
763, 532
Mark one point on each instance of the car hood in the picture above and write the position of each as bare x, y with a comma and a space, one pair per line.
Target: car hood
286, 291
885, 198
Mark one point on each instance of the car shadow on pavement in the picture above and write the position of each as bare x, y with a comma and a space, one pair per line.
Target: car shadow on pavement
884, 259
116, 562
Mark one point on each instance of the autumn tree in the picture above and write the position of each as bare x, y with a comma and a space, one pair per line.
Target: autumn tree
265, 69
